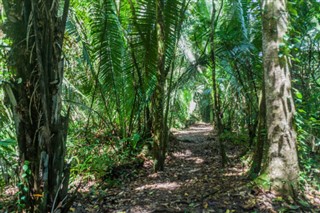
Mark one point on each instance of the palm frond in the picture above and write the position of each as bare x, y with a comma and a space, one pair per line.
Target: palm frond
113, 66
234, 24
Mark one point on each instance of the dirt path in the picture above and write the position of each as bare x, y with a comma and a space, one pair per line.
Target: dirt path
191, 182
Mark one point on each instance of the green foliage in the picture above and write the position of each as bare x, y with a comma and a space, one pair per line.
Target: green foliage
8, 154
309, 148
92, 154
7, 142
8, 161
23, 186
303, 43
119, 59
111, 61
234, 138
263, 181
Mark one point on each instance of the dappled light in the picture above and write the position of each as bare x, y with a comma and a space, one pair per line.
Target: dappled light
159, 106
187, 155
193, 181
163, 186
182, 155
200, 128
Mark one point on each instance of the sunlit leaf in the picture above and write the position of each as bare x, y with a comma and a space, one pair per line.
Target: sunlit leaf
298, 95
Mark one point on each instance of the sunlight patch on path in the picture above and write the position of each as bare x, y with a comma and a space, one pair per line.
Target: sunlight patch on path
165, 186
197, 133
196, 160
187, 155
182, 155
235, 171
202, 131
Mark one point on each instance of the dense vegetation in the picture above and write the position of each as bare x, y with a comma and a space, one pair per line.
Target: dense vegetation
89, 86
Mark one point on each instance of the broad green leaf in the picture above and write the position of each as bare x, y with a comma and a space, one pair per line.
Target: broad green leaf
25, 167
298, 95
7, 142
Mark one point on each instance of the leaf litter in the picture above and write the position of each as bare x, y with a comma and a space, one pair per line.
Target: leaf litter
193, 181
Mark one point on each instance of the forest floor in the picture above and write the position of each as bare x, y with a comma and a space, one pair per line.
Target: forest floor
193, 181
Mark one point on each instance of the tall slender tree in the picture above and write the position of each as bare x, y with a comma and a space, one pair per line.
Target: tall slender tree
215, 88
157, 26
159, 124
261, 138
36, 28
168, 28
282, 164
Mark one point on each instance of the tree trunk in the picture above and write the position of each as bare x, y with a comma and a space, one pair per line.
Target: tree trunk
215, 89
159, 148
252, 122
37, 33
282, 164
261, 139
159, 123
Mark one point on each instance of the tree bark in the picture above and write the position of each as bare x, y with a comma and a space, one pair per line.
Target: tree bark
261, 139
159, 123
282, 164
37, 31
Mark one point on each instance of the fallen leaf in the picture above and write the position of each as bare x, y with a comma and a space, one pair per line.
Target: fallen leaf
205, 205
249, 204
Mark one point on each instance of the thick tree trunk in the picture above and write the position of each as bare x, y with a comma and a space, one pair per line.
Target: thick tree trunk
37, 33
282, 164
